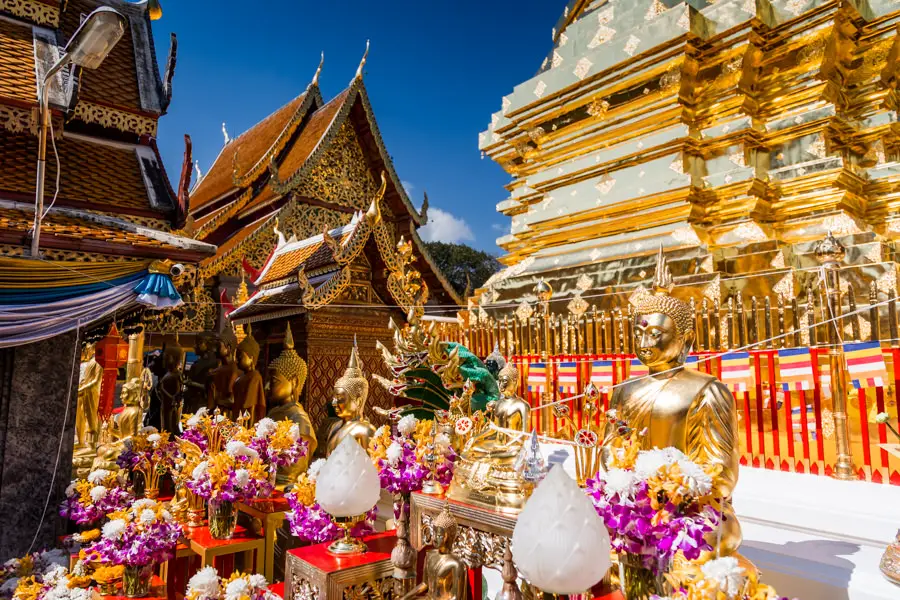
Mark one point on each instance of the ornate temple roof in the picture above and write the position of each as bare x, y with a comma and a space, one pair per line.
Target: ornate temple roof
309, 156
104, 123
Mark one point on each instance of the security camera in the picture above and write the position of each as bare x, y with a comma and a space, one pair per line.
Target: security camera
176, 270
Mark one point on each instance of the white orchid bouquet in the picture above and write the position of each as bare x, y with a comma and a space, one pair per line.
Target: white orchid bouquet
207, 585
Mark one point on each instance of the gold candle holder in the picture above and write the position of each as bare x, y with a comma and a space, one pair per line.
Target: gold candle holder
347, 545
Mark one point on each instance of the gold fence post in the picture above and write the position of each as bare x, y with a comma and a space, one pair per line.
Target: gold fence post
544, 292
830, 253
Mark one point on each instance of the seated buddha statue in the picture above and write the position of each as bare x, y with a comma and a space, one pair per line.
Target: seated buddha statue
127, 424
485, 472
247, 390
349, 400
284, 382
443, 574
685, 409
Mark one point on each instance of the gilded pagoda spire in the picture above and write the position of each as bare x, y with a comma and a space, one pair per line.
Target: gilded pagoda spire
315, 79
362, 63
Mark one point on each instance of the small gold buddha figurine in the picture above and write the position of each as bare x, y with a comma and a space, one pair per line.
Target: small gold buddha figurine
223, 377
350, 394
247, 389
87, 419
285, 378
485, 472
685, 409
443, 575
131, 418
170, 388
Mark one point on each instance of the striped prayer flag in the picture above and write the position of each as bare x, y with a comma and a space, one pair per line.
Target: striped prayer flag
795, 369
602, 374
865, 364
637, 369
797, 420
693, 363
537, 377
825, 375
567, 377
736, 372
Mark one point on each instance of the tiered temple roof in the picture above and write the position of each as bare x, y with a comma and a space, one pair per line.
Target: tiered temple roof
309, 167
114, 200
732, 133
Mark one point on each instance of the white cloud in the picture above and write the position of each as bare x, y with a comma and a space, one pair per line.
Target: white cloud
408, 186
500, 227
444, 227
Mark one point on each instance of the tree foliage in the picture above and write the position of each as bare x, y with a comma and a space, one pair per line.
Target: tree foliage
463, 265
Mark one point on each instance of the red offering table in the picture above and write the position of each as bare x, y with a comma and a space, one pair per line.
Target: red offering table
244, 542
271, 511
315, 574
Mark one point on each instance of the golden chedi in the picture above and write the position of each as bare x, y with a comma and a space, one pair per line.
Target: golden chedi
350, 393
443, 574
685, 409
485, 471
285, 378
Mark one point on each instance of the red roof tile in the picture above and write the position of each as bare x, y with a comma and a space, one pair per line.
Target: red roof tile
311, 135
17, 65
251, 146
95, 173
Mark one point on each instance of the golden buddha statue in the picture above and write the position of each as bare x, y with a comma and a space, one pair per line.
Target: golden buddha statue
171, 388
443, 575
485, 471
223, 377
285, 378
349, 400
87, 419
127, 424
685, 409
248, 392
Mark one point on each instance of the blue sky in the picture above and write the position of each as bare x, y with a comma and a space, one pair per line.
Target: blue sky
436, 71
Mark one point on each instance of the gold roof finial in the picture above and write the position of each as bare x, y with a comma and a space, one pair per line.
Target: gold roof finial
155, 10
362, 63
662, 278
315, 79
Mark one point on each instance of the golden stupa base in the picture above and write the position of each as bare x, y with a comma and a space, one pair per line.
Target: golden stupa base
488, 485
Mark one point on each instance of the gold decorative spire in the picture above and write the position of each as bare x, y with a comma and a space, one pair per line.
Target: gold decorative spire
315, 79
242, 293
660, 300
288, 337
662, 278
362, 63
289, 364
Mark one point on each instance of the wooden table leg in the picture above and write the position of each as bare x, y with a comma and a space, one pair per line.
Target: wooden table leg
269, 558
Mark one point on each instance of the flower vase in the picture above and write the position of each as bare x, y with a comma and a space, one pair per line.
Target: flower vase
138, 483
222, 520
639, 582
136, 580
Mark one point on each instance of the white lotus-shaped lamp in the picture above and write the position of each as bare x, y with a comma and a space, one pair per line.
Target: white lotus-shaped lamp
560, 544
347, 487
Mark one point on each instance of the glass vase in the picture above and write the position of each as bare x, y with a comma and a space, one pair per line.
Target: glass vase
222, 520
136, 581
639, 582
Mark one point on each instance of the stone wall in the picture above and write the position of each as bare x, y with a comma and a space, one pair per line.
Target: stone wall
38, 383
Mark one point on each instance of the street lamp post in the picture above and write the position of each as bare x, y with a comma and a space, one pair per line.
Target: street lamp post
87, 48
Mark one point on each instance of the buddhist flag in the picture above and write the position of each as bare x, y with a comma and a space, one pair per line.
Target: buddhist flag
602, 374
736, 371
637, 369
825, 376
865, 364
537, 377
795, 369
693, 363
567, 377
797, 420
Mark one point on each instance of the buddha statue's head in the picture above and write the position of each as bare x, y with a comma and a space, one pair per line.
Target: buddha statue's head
87, 352
131, 392
495, 362
508, 380
286, 374
247, 352
443, 530
226, 344
173, 357
351, 390
663, 325
203, 343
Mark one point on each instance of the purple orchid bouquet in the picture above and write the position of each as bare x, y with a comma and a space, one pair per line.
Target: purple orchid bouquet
309, 522
144, 534
89, 500
151, 453
236, 475
412, 456
656, 505
279, 443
